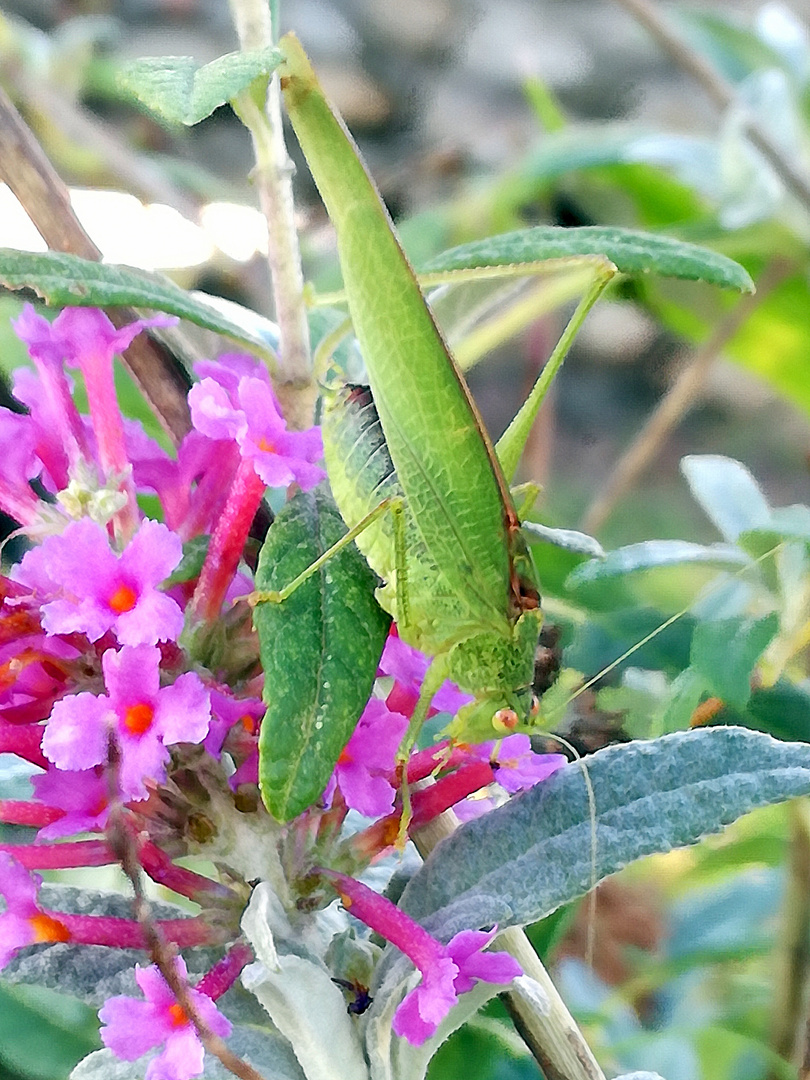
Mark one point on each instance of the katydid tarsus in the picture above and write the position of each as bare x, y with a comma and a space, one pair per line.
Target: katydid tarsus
458, 576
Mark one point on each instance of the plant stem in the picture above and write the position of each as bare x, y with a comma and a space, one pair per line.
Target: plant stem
123, 843
721, 92
793, 958
676, 402
273, 178
539, 1013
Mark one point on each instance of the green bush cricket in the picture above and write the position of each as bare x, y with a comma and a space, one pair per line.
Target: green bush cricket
458, 576
416, 478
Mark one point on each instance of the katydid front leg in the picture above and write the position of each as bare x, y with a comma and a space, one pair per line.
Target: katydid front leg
394, 505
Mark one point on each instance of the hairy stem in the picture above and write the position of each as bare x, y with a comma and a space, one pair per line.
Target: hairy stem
162, 954
537, 1010
788, 1016
273, 178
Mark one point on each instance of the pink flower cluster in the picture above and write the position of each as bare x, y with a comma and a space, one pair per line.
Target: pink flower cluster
103, 687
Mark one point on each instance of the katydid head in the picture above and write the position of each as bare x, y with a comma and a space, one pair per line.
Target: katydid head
499, 671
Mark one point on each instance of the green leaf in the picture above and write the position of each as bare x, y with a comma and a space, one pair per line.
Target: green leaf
270, 1055
68, 281
189, 567
727, 492
568, 539
180, 90
650, 554
785, 523
781, 710
319, 651
725, 651
521, 861
630, 251
42, 1034
686, 693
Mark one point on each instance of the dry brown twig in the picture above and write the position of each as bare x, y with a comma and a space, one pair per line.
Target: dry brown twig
46, 200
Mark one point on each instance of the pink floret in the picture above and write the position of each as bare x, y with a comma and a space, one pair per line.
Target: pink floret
84, 587
83, 796
518, 767
134, 1027
246, 410
365, 767
145, 716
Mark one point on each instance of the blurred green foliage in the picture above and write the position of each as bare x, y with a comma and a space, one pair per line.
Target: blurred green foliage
699, 1002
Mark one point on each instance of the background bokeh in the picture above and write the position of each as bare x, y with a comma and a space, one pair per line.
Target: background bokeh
480, 118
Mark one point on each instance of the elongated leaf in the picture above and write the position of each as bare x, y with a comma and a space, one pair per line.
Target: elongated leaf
567, 539
68, 281
650, 554
727, 492
319, 652
630, 251
42, 1034
521, 861
306, 1006
270, 1055
182, 91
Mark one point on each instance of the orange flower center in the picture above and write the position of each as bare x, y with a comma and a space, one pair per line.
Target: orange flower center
265, 444
123, 599
138, 718
176, 1015
47, 928
345, 758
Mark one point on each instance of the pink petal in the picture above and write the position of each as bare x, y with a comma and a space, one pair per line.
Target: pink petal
408, 1022
182, 1058
15, 933
183, 710
155, 617
133, 1027
132, 674
142, 759
18, 885
153, 553
76, 732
